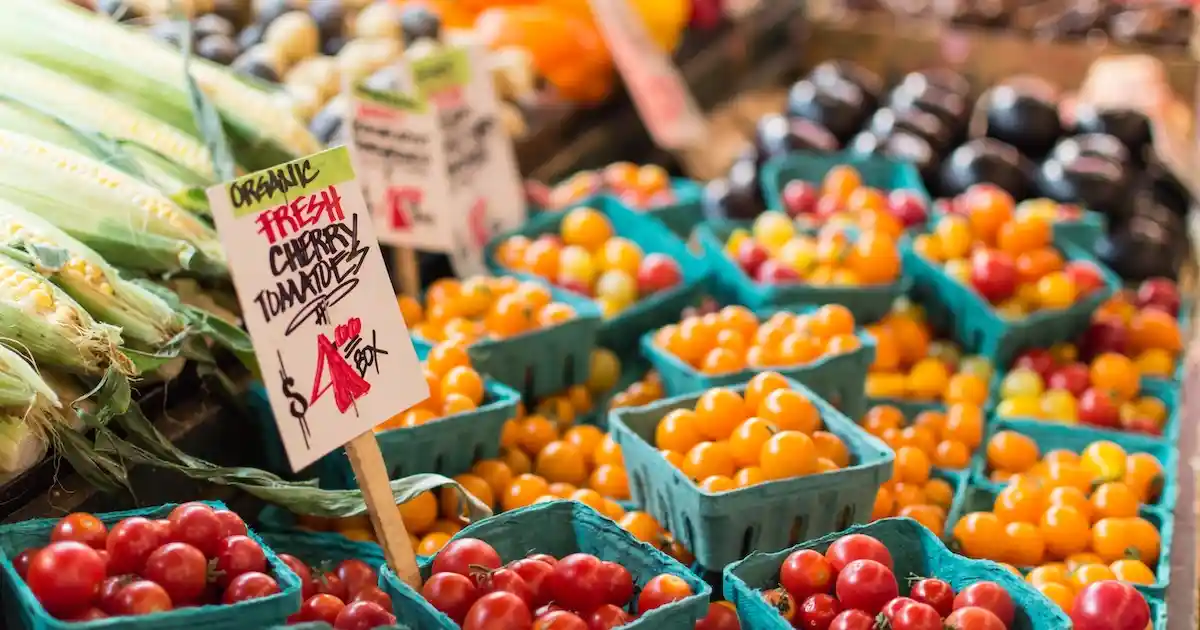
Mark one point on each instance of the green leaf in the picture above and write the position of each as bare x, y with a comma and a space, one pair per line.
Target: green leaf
48, 257
208, 119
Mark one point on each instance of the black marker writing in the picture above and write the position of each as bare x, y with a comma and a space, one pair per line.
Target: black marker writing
275, 181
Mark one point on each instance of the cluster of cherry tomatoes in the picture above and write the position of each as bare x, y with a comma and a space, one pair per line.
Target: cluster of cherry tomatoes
1141, 324
842, 198
733, 339
730, 440
912, 363
853, 584
347, 596
471, 585
1008, 258
644, 391
775, 251
639, 187
1104, 393
143, 566
987, 195
588, 258
482, 307
1079, 509
454, 387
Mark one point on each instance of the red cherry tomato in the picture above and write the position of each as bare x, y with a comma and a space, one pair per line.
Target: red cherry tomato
197, 525
308, 587
994, 275
806, 572
130, 542
989, 596
609, 616
319, 607
181, 569
237, 555
459, 556
782, 602
374, 594
534, 572
547, 609
866, 585
498, 611
231, 524
559, 620
81, 528
1109, 605
356, 575
544, 557
330, 583
65, 577
657, 272
974, 618
847, 549
818, 612
451, 593
142, 597
721, 616
852, 620
893, 607
576, 583
916, 616
249, 586
616, 582
363, 616
505, 580
106, 600
936, 593
662, 590
21, 562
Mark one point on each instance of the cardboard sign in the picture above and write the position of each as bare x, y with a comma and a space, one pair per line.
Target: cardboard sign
485, 185
335, 354
397, 148
659, 91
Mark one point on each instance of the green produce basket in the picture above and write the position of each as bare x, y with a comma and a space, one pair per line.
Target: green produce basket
980, 498
621, 332
1085, 232
22, 610
953, 306
840, 379
733, 286
1050, 436
560, 528
877, 172
915, 551
721, 528
325, 551
680, 215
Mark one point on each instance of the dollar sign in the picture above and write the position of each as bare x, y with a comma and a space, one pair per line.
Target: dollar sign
297, 405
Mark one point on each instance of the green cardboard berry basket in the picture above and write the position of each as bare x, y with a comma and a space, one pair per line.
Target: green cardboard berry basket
22, 610
840, 379
980, 498
876, 171
1086, 232
1052, 435
323, 551
974, 323
723, 527
680, 215
621, 332
868, 303
915, 551
560, 528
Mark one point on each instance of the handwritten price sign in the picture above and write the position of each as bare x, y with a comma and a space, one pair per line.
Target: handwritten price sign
335, 353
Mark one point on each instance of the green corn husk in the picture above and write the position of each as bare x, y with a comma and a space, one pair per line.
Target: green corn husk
22, 445
183, 186
21, 388
87, 277
128, 222
134, 68
40, 318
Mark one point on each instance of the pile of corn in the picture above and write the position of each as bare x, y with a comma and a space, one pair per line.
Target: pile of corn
102, 211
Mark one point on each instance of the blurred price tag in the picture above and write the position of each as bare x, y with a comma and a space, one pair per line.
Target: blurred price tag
659, 91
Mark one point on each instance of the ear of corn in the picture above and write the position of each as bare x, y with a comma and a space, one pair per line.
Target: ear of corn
22, 445
84, 107
125, 220
21, 387
141, 72
40, 318
85, 276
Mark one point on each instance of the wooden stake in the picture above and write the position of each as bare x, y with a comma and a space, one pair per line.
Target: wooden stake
367, 462
408, 271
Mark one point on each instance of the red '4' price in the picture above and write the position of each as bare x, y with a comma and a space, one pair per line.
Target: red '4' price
403, 205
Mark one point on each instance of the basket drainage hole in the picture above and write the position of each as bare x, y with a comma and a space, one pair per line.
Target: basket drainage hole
799, 528
748, 540
664, 506
689, 535
527, 390
846, 517
569, 370
478, 454
639, 486
438, 463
